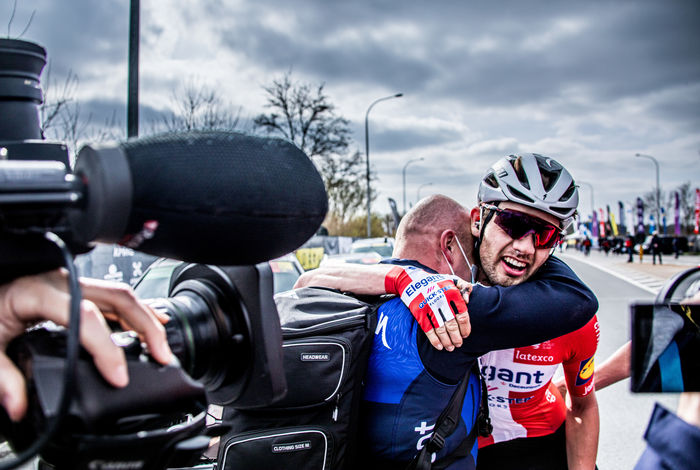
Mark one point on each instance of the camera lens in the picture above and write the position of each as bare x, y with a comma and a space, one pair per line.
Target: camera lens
207, 330
21, 63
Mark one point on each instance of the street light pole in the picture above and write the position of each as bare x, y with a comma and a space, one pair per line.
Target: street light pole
369, 217
418, 192
404, 180
658, 187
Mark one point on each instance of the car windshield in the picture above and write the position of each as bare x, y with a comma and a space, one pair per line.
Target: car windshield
383, 249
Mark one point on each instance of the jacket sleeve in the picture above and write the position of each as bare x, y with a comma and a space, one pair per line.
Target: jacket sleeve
553, 303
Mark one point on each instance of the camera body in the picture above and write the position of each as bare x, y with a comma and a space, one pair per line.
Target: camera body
666, 338
193, 196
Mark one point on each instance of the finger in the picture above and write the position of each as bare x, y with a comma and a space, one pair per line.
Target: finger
456, 301
453, 332
95, 337
121, 300
465, 325
434, 340
462, 284
13, 394
444, 338
30, 299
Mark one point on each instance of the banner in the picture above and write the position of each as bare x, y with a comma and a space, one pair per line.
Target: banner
640, 216
623, 224
613, 224
663, 219
594, 225
652, 224
602, 223
697, 211
394, 213
677, 214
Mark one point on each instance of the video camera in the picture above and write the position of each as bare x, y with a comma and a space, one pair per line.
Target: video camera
224, 202
666, 338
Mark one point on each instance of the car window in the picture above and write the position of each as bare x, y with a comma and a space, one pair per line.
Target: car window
284, 275
155, 282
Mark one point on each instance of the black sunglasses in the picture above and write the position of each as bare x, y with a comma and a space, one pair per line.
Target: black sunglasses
518, 225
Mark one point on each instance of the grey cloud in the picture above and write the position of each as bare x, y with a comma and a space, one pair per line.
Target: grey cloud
78, 34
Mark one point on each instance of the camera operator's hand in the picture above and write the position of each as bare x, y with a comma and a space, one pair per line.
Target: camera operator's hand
31, 299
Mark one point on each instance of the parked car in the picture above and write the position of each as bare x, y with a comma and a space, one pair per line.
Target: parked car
666, 244
384, 246
364, 257
155, 281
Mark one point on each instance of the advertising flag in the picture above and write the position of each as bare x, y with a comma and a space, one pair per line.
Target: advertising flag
663, 219
697, 211
623, 223
640, 216
677, 214
613, 224
594, 225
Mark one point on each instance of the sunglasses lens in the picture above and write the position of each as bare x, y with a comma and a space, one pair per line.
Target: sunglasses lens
518, 225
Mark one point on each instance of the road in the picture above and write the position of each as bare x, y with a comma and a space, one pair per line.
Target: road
623, 415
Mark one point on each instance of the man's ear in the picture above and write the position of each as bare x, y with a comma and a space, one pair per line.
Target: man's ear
446, 244
476, 222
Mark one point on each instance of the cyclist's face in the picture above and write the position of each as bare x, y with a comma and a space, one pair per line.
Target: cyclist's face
505, 261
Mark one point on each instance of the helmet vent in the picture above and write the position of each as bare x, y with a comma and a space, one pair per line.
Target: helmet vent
520, 171
569, 192
491, 180
560, 210
519, 195
549, 178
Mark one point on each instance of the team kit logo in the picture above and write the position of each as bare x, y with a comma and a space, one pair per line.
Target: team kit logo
585, 371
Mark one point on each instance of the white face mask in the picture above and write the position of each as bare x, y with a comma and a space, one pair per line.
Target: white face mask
472, 268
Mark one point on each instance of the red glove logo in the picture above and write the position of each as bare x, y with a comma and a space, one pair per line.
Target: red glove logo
432, 298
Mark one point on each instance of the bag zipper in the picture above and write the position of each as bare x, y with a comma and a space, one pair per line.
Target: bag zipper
329, 326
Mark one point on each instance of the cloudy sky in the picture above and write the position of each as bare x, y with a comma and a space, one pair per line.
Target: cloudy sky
588, 83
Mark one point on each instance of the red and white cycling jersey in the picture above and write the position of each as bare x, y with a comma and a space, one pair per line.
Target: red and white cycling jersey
522, 400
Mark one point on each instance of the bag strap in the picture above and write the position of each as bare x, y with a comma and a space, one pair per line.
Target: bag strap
445, 425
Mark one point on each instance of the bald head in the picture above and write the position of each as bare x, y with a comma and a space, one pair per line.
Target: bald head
427, 233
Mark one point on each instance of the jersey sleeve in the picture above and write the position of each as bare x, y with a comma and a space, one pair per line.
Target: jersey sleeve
579, 367
552, 303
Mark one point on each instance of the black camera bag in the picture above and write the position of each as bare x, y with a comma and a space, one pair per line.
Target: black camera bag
327, 338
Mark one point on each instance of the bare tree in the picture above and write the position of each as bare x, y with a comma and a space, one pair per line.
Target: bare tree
56, 100
62, 119
303, 114
198, 107
12, 18
686, 194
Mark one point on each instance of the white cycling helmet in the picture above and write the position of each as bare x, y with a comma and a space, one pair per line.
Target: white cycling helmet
532, 180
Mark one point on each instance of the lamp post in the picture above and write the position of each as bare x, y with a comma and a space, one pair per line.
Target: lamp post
369, 217
658, 187
418, 192
404, 180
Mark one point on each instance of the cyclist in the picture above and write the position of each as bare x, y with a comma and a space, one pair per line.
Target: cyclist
409, 383
533, 428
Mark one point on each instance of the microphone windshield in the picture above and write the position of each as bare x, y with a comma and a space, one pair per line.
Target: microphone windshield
204, 197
